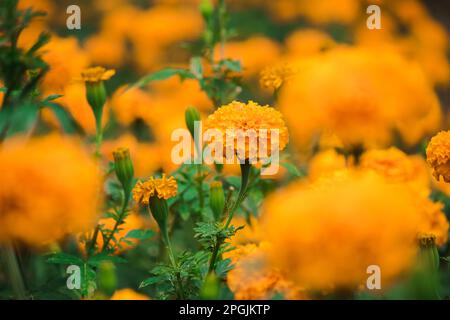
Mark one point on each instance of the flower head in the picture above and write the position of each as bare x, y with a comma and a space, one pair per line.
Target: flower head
163, 188
275, 76
50, 188
325, 234
250, 118
252, 279
397, 166
438, 155
96, 74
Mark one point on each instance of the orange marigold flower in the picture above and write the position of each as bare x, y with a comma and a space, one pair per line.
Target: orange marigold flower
324, 235
163, 188
438, 155
96, 74
50, 188
128, 294
397, 166
434, 221
252, 279
273, 77
249, 117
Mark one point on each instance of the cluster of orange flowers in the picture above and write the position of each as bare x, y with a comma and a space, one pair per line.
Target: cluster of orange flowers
330, 101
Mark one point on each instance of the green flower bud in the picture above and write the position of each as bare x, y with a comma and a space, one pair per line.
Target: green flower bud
428, 255
107, 278
124, 168
96, 97
191, 116
206, 8
217, 199
160, 211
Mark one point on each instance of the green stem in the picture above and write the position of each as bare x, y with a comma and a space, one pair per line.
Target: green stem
93, 241
166, 240
200, 187
245, 172
98, 135
119, 221
13, 271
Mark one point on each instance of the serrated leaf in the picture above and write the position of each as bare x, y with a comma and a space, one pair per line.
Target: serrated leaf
97, 260
140, 234
64, 258
152, 280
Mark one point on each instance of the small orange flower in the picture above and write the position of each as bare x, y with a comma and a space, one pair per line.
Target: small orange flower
163, 188
438, 155
273, 77
96, 74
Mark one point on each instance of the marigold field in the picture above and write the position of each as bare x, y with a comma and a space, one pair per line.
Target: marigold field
100, 201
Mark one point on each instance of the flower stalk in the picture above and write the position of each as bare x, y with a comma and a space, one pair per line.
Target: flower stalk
245, 173
13, 270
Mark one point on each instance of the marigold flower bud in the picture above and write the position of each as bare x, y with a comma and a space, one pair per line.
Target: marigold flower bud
206, 8
96, 97
160, 211
124, 168
95, 89
217, 199
429, 255
191, 116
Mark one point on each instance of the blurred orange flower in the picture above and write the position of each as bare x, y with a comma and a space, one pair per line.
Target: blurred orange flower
51, 189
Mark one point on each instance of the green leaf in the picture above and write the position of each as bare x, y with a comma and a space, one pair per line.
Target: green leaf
152, 280
292, 169
197, 67
232, 65
97, 260
140, 234
163, 75
3, 90
66, 120
64, 258
52, 97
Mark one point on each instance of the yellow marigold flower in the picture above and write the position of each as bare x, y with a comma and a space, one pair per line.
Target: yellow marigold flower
96, 74
163, 188
273, 77
128, 294
324, 235
326, 162
438, 155
345, 92
50, 188
434, 221
250, 116
397, 166
252, 279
